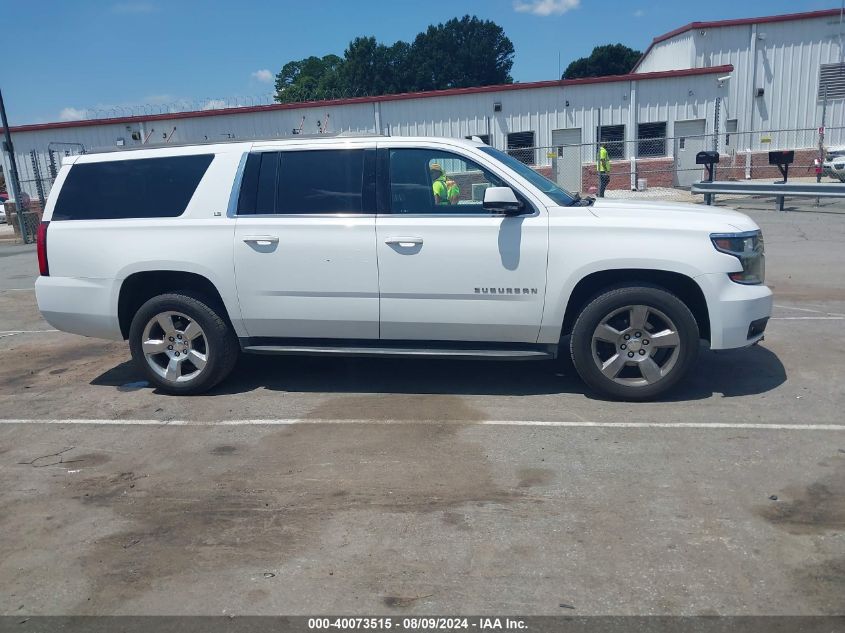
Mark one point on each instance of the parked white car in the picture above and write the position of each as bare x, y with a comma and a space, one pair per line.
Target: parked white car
834, 163
347, 246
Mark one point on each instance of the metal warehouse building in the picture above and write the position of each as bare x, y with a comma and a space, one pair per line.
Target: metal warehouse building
740, 85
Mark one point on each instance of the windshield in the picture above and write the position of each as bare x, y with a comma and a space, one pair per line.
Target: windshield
559, 195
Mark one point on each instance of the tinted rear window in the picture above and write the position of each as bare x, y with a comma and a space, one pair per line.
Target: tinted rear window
142, 188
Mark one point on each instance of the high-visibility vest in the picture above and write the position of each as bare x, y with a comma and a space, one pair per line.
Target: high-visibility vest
440, 189
603, 164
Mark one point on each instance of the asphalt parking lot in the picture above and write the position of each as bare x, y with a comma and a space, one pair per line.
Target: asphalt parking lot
305, 486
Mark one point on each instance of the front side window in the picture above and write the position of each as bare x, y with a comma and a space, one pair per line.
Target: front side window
303, 183
560, 195
433, 181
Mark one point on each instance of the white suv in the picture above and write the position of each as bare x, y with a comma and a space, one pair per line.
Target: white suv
383, 246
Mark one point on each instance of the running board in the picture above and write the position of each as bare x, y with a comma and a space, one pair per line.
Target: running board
407, 352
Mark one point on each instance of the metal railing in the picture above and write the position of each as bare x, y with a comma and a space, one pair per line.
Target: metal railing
777, 190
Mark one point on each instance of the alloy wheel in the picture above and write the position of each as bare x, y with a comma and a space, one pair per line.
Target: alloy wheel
636, 345
175, 347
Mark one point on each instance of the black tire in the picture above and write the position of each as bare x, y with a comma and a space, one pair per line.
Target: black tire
221, 344
614, 301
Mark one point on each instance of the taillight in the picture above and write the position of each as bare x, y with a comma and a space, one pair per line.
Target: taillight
41, 242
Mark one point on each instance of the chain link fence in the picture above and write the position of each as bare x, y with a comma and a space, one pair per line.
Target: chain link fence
36, 176
665, 168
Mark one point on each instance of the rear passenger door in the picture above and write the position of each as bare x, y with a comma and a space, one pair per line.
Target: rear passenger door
305, 259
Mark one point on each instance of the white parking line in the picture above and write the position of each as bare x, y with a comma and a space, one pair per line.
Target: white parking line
809, 310
16, 332
825, 318
547, 423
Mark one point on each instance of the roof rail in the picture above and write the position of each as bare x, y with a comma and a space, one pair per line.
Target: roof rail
287, 137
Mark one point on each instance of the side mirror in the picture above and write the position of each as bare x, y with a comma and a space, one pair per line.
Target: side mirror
503, 200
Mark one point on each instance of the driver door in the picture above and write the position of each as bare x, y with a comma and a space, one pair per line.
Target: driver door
457, 271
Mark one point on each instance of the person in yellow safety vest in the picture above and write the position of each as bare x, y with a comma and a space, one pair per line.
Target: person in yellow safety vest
445, 191
603, 167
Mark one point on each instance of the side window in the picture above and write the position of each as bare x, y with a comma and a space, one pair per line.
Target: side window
136, 188
320, 181
307, 182
268, 173
433, 181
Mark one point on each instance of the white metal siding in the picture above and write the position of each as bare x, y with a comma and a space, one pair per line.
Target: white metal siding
783, 58
673, 54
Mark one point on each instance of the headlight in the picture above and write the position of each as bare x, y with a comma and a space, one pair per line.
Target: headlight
748, 249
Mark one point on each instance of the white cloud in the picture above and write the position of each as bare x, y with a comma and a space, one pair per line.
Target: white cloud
263, 75
639, 13
545, 7
134, 7
71, 114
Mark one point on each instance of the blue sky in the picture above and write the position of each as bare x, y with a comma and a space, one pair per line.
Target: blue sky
63, 57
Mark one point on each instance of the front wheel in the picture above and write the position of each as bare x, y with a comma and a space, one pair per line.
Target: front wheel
182, 344
634, 342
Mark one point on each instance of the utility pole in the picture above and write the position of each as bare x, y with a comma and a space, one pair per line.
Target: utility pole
821, 137
13, 168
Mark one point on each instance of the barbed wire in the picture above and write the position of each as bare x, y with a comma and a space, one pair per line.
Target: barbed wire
180, 105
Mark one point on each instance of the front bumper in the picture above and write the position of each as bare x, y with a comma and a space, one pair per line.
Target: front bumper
738, 313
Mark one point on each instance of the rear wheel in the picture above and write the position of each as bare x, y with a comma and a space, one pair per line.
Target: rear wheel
182, 344
634, 343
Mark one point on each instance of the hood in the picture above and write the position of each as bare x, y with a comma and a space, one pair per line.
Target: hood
673, 214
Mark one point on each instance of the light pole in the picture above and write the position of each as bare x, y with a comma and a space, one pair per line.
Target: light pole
13, 167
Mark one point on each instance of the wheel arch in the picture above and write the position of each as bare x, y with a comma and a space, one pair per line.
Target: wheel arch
139, 287
679, 284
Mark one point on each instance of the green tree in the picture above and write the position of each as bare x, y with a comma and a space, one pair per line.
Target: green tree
370, 68
309, 79
460, 54
610, 59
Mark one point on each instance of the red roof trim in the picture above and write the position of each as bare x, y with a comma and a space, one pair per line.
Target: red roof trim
787, 17
396, 97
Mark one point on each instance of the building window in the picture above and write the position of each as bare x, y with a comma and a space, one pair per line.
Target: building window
521, 146
651, 140
485, 138
730, 128
832, 78
613, 139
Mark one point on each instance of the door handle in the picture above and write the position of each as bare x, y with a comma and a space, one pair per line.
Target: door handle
405, 242
262, 240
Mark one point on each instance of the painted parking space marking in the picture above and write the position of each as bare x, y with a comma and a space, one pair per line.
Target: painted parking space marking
823, 312
822, 318
528, 423
6, 333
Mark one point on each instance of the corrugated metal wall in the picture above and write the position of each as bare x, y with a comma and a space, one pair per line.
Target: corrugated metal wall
672, 54
538, 110
783, 58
